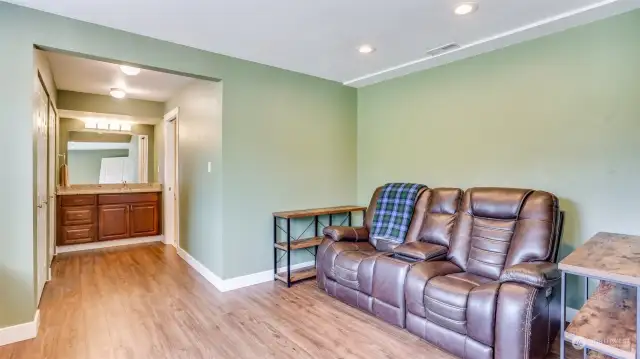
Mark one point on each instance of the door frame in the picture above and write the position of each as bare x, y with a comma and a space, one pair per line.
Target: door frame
53, 165
143, 158
172, 169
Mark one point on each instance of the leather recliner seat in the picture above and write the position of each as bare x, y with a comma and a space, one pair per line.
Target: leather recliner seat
490, 294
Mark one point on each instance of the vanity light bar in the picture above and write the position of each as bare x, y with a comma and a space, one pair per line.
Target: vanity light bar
109, 126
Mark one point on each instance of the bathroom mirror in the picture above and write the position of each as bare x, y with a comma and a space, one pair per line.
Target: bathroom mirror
107, 158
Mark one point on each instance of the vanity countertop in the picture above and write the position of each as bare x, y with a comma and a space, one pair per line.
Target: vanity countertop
109, 189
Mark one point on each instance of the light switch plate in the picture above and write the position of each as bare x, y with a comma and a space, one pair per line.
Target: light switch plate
209, 167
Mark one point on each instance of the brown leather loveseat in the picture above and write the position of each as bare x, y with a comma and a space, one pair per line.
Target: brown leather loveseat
475, 275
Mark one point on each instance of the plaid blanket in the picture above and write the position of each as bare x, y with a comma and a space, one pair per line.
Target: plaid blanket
394, 210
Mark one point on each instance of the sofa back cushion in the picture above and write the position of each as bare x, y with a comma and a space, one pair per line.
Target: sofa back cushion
500, 227
440, 215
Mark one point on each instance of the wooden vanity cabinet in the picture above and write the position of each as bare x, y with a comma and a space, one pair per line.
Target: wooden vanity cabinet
106, 217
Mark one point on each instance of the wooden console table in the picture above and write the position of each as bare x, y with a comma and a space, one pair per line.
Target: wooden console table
608, 323
292, 243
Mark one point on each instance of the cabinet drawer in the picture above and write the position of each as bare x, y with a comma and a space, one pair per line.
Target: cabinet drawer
127, 198
78, 200
77, 234
78, 215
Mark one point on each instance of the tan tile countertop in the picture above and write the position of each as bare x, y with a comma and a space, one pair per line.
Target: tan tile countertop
109, 188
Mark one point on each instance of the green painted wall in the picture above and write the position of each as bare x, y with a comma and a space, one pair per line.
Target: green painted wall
288, 141
84, 166
86, 102
200, 142
561, 113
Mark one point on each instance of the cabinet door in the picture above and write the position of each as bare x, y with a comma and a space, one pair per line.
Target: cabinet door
113, 222
144, 219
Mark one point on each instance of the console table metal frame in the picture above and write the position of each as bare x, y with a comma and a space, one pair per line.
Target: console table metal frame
305, 243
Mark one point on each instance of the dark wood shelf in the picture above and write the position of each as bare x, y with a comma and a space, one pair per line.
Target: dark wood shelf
318, 211
300, 243
297, 275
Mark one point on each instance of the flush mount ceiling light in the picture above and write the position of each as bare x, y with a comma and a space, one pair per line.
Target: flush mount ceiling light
130, 71
466, 8
366, 49
118, 93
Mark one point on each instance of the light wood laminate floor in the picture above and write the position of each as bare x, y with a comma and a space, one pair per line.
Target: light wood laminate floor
145, 302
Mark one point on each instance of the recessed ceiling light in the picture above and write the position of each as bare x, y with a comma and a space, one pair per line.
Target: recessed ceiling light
466, 8
366, 49
128, 70
118, 93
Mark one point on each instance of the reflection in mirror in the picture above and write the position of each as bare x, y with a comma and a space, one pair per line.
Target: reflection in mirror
118, 158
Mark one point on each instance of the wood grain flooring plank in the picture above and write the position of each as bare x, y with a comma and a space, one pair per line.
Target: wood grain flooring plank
146, 302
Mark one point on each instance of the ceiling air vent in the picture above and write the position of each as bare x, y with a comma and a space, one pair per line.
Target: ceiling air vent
442, 49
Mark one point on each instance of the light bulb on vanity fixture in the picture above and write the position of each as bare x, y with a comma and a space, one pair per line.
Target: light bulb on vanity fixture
118, 93
129, 70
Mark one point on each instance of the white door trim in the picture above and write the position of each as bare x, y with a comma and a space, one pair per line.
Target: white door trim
172, 224
53, 164
143, 158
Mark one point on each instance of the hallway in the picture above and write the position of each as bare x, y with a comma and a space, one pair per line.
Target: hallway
145, 302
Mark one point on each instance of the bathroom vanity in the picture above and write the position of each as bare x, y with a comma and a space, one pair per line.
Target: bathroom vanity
97, 213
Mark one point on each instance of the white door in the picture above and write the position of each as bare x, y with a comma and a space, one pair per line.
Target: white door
42, 197
170, 182
53, 156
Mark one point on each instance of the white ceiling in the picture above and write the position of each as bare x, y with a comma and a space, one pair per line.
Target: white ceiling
83, 75
320, 37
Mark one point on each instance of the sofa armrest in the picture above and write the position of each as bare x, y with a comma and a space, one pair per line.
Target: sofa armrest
537, 274
422, 251
341, 233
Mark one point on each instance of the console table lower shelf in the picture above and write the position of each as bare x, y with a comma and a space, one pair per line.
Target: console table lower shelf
297, 274
607, 322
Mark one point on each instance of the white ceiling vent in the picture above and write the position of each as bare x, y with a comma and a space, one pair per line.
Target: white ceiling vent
442, 49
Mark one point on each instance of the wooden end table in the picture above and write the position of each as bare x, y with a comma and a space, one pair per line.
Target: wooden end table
608, 323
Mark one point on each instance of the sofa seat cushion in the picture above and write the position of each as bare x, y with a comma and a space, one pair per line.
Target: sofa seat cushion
446, 299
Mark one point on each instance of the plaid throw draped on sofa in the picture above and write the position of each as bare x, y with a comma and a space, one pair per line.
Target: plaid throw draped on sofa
394, 209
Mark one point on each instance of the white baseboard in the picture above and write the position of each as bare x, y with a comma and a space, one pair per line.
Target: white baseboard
200, 268
107, 244
225, 285
20, 332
